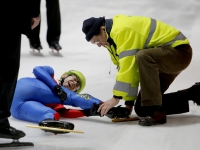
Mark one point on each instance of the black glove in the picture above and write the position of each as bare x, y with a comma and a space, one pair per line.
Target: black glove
87, 112
61, 93
92, 111
118, 112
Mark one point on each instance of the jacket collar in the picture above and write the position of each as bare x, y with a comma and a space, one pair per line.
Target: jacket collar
109, 24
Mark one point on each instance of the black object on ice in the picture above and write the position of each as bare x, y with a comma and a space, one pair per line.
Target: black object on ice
56, 124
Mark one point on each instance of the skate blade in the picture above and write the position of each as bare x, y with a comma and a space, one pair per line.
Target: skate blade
125, 119
55, 129
36, 52
15, 144
54, 52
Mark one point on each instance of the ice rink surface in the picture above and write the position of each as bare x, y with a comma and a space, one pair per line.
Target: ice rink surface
181, 132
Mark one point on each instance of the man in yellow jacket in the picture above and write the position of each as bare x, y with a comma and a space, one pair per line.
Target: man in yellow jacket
147, 52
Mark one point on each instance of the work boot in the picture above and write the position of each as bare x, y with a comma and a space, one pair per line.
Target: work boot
11, 133
158, 117
56, 124
193, 93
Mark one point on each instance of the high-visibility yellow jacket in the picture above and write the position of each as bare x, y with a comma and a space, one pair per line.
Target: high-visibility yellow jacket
129, 34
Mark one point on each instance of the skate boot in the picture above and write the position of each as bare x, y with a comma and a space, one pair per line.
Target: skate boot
55, 46
35, 46
56, 124
92, 111
11, 133
115, 112
118, 112
193, 93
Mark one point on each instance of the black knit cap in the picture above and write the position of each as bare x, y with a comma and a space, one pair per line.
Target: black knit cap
91, 26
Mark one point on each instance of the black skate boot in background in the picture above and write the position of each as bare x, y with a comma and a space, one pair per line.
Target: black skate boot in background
35, 45
56, 124
11, 133
55, 46
115, 112
193, 93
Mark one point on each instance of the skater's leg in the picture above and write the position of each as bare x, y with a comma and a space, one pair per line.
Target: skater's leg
8, 76
9, 66
34, 37
32, 111
54, 23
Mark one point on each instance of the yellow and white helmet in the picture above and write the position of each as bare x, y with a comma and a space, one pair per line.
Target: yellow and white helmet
80, 77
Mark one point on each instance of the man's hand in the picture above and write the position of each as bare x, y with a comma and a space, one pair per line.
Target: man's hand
106, 106
35, 22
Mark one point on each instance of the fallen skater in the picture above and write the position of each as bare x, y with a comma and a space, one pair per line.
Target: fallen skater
42, 99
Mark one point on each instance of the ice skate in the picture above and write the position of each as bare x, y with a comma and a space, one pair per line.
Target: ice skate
55, 46
118, 112
55, 49
36, 49
56, 124
12, 133
35, 46
115, 112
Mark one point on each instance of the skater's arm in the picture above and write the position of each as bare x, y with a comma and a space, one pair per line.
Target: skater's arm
46, 75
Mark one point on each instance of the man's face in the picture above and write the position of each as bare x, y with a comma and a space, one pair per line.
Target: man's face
100, 40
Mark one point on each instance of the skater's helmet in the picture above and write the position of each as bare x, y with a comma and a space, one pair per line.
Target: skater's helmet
80, 77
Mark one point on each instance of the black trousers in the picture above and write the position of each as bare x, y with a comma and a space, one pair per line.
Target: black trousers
9, 66
53, 23
172, 103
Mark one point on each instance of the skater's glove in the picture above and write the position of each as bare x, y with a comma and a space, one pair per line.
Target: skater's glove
61, 93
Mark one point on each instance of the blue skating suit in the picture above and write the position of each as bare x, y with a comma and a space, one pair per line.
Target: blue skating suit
32, 94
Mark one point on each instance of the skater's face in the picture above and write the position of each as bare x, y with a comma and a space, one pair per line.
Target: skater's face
72, 83
100, 39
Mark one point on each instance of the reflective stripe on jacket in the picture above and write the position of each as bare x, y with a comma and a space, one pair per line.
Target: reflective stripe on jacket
130, 34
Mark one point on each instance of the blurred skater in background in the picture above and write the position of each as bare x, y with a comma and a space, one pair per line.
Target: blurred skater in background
53, 28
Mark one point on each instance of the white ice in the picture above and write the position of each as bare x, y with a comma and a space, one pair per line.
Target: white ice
181, 132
